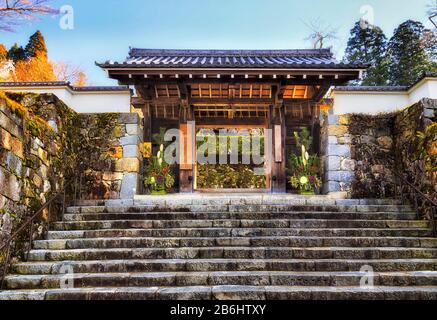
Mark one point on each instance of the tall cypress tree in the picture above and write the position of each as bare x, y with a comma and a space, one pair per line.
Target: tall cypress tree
412, 51
368, 45
16, 53
36, 46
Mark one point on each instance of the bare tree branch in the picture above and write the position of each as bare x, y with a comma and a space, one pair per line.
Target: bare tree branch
432, 12
15, 12
320, 33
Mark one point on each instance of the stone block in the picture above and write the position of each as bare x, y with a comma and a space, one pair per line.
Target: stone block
346, 139
129, 140
5, 139
37, 181
131, 151
127, 165
129, 186
3, 201
343, 119
331, 186
17, 147
128, 118
132, 129
332, 163
429, 113
332, 140
43, 155
337, 130
112, 176
10, 126
53, 125
341, 176
348, 165
10, 185
332, 120
13, 164
385, 142
338, 150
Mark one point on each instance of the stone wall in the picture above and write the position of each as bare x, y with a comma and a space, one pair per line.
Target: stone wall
111, 158
338, 165
360, 151
415, 139
44, 144
35, 158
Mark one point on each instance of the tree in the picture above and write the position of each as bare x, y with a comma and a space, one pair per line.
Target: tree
368, 45
320, 34
68, 72
412, 51
81, 80
3, 52
15, 12
16, 53
34, 69
432, 12
36, 46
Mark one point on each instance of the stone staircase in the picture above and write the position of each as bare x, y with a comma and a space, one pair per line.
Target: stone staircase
232, 247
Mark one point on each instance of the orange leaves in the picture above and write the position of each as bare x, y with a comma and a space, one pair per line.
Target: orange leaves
34, 69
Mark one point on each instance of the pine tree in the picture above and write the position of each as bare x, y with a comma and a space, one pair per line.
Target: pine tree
3, 52
368, 45
412, 51
16, 53
36, 46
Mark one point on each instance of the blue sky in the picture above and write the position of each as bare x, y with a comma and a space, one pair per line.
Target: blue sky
104, 29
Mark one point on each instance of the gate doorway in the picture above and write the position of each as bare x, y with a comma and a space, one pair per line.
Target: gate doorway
232, 158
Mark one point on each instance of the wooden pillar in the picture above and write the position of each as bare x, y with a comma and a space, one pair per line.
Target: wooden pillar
278, 157
187, 146
147, 112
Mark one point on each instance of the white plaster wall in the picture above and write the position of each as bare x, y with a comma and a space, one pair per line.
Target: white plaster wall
373, 102
369, 102
101, 102
425, 89
84, 102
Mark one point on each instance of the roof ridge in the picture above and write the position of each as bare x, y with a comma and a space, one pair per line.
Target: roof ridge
61, 84
230, 52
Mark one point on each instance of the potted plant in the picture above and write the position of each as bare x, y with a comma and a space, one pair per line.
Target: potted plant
304, 169
159, 176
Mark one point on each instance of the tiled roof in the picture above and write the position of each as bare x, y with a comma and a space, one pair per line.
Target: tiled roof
62, 84
372, 88
385, 88
287, 59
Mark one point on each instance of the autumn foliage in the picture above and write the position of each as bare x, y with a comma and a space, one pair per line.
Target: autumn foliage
37, 68
32, 64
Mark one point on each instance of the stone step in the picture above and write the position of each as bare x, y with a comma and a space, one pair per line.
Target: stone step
240, 208
237, 241
228, 293
233, 253
204, 265
199, 199
237, 232
241, 278
243, 216
231, 223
